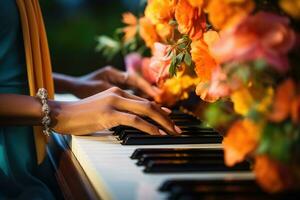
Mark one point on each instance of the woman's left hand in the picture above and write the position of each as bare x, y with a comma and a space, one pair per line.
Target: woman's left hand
108, 77
103, 79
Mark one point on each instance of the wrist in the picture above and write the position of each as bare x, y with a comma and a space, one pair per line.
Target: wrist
65, 83
55, 111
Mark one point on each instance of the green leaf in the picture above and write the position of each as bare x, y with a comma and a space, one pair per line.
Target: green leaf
275, 142
172, 69
179, 58
260, 64
182, 46
108, 46
169, 52
187, 59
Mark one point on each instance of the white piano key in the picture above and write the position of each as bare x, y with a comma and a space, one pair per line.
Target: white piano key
115, 176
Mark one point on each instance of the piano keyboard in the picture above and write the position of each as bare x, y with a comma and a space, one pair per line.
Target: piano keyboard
127, 164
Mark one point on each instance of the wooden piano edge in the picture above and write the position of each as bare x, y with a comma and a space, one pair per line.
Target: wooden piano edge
70, 176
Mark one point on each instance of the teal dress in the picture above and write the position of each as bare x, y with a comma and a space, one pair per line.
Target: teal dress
20, 176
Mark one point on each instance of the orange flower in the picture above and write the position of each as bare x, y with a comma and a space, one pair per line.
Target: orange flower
241, 139
282, 103
158, 11
148, 32
131, 29
270, 175
204, 62
197, 3
217, 87
291, 7
212, 85
225, 13
191, 20
295, 110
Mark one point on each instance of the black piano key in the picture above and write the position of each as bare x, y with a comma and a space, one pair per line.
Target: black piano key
183, 166
185, 132
138, 153
180, 139
210, 186
220, 189
146, 158
119, 129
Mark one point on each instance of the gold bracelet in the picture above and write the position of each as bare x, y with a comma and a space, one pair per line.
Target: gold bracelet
42, 94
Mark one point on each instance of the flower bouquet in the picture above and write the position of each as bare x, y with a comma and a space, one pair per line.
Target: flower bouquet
241, 56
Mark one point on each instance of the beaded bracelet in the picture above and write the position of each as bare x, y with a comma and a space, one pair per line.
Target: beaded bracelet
42, 94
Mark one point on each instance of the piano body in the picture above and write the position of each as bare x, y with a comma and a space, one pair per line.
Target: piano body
127, 165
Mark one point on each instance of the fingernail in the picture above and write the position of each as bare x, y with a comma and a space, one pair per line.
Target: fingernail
177, 129
166, 109
162, 132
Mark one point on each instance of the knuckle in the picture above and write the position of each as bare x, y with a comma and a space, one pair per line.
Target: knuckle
115, 90
134, 119
154, 130
108, 68
150, 105
112, 98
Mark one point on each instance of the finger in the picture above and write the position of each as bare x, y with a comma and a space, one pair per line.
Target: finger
167, 110
127, 95
132, 96
149, 109
138, 82
117, 77
132, 120
120, 78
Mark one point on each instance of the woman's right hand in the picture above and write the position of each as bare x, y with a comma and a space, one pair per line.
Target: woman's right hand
108, 109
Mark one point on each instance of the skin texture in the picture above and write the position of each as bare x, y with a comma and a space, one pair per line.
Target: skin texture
100, 108
101, 80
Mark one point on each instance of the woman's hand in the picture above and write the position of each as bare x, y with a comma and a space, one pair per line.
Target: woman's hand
101, 80
108, 109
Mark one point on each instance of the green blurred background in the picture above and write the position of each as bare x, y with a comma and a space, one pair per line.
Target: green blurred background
72, 27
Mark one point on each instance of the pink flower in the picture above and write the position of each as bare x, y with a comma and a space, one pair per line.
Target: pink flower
159, 63
147, 72
133, 63
214, 89
261, 36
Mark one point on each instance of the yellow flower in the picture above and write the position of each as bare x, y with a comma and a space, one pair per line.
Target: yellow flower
242, 100
164, 30
266, 101
160, 11
291, 7
177, 88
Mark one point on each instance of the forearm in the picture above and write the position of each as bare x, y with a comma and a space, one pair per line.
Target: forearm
20, 110
81, 87
63, 83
